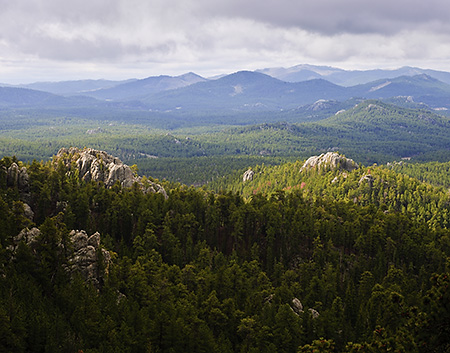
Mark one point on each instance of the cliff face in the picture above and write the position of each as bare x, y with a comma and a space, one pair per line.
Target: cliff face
100, 166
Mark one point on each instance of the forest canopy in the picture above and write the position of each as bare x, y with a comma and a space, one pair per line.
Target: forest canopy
321, 260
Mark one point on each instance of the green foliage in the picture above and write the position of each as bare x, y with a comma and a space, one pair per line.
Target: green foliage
218, 271
196, 150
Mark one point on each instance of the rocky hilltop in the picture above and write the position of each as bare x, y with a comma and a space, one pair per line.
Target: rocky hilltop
100, 166
331, 160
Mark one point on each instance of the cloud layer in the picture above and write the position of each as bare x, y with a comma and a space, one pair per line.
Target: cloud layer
215, 36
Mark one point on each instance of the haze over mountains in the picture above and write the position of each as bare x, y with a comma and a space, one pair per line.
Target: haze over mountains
244, 91
347, 77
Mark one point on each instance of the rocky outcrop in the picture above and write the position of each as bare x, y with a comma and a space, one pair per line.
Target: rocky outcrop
248, 175
28, 212
18, 177
89, 259
321, 104
297, 308
314, 313
28, 236
100, 166
331, 160
84, 254
367, 178
12, 175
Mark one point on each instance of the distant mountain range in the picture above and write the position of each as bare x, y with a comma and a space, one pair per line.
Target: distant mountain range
246, 90
138, 89
243, 91
73, 88
348, 78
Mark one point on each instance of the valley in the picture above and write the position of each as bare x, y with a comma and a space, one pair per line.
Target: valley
237, 214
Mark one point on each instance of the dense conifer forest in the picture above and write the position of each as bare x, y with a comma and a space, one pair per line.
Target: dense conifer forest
323, 260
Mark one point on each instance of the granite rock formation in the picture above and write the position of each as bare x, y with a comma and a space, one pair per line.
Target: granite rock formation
16, 176
100, 166
84, 253
331, 160
248, 175
88, 259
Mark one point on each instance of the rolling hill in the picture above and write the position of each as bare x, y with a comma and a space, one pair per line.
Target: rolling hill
138, 89
244, 91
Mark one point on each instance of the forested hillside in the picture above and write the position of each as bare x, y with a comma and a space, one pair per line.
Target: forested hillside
162, 146
326, 259
432, 172
364, 185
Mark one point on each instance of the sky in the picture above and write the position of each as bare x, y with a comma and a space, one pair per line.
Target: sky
54, 40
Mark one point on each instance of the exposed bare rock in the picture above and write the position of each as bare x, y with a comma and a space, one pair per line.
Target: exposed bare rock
16, 176
79, 240
94, 240
28, 236
89, 258
368, 178
155, 188
98, 130
248, 175
297, 306
28, 212
12, 176
321, 104
120, 172
314, 313
23, 181
100, 166
332, 160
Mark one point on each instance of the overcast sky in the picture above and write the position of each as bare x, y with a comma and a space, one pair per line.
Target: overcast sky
118, 39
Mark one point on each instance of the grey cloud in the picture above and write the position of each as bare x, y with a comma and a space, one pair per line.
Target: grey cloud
86, 29
217, 32
337, 16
